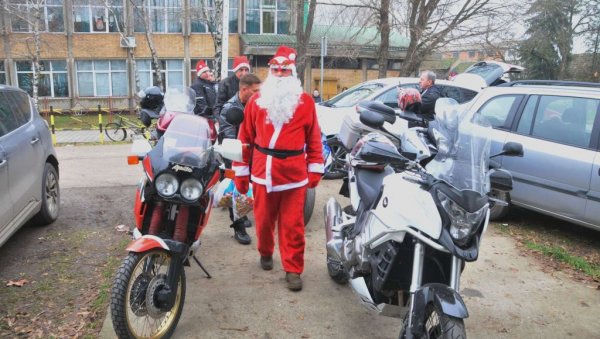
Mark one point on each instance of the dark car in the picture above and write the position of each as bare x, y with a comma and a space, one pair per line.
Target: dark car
29, 188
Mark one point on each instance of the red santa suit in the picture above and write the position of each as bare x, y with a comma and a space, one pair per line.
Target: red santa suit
283, 156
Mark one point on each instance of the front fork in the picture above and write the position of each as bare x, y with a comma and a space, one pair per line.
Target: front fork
419, 298
179, 252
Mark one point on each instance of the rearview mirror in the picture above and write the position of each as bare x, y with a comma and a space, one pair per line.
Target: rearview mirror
511, 149
234, 116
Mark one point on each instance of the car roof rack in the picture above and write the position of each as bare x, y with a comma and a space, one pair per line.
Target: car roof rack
550, 83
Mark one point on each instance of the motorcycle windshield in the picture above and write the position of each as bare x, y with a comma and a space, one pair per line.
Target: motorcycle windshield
463, 139
187, 141
180, 99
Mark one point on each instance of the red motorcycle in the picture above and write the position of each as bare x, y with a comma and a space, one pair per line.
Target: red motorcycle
172, 207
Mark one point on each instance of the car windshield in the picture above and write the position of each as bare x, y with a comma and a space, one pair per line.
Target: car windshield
187, 141
352, 96
463, 140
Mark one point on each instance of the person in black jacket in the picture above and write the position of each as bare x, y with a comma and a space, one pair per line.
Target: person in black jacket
230, 85
206, 93
429, 93
249, 84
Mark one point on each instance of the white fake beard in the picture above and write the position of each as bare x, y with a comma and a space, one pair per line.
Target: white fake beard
280, 97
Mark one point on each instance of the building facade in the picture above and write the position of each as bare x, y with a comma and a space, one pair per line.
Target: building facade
95, 52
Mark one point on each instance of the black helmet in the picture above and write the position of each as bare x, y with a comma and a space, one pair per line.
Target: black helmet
152, 98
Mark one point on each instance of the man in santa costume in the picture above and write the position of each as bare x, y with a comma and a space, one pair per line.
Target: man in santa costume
285, 152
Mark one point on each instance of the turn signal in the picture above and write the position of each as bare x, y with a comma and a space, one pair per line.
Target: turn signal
133, 160
229, 173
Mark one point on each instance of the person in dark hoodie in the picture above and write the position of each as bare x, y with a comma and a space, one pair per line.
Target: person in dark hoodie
206, 93
231, 85
429, 93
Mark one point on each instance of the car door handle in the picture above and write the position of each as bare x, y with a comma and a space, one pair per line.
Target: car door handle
3, 163
33, 141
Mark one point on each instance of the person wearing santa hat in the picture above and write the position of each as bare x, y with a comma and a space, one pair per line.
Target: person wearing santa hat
283, 158
206, 93
231, 85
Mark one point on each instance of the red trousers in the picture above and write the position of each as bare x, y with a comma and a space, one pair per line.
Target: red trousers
286, 209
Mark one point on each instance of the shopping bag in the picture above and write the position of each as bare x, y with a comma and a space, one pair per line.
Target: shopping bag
223, 194
242, 203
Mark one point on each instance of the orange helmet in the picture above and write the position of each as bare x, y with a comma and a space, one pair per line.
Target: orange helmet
409, 99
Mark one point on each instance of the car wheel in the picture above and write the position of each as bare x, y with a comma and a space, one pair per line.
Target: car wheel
337, 168
50, 197
498, 211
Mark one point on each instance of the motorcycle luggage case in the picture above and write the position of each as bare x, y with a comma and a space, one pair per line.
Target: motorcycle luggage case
351, 130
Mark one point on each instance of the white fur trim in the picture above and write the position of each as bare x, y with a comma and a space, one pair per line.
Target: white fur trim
279, 188
292, 56
241, 171
316, 168
202, 70
243, 64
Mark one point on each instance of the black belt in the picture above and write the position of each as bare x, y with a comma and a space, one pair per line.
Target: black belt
279, 153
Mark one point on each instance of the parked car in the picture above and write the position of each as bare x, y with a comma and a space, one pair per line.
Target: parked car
29, 188
558, 124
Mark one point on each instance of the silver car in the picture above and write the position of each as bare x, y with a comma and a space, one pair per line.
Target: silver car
28, 165
558, 124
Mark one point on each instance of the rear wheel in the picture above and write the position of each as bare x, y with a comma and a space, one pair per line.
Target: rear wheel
50, 197
134, 308
337, 168
309, 205
497, 211
115, 132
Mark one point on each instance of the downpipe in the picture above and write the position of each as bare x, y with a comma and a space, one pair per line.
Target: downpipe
334, 237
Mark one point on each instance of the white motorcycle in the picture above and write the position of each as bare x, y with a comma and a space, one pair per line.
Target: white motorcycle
415, 218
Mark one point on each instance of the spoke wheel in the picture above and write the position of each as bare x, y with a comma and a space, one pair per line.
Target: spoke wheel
115, 132
439, 325
135, 311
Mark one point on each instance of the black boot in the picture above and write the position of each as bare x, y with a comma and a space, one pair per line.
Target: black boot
247, 223
239, 232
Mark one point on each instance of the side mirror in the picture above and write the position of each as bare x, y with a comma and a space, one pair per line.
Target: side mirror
234, 116
230, 149
511, 149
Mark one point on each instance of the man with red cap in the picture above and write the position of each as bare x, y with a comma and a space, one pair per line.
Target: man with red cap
283, 158
231, 85
204, 86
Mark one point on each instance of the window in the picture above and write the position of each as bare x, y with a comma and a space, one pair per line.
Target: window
164, 16
455, 55
15, 111
52, 80
101, 78
268, 16
94, 16
51, 14
472, 54
171, 70
200, 10
390, 97
352, 96
2, 74
497, 110
566, 120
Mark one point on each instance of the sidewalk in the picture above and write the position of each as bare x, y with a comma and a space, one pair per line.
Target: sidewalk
82, 136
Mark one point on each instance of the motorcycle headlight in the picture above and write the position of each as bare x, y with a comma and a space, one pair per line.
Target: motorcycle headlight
191, 189
462, 223
166, 184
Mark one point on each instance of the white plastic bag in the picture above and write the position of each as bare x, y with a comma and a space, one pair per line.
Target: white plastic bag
223, 194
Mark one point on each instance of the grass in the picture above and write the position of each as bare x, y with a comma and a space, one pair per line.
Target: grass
86, 121
562, 255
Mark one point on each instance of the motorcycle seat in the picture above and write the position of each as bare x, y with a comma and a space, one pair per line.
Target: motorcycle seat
368, 183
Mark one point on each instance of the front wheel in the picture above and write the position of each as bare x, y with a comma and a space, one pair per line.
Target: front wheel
115, 132
439, 325
134, 308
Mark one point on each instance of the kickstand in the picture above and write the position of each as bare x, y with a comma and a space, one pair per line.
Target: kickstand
202, 267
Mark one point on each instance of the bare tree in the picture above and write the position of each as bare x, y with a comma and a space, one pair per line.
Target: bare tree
143, 14
384, 31
303, 32
211, 13
31, 14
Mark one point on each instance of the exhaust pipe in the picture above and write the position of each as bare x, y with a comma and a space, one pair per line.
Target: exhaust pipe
333, 235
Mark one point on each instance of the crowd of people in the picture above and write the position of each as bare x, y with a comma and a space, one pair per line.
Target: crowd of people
284, 153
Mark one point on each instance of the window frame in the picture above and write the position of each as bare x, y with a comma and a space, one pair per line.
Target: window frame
107, 14
28, 7
17, 113
50, 73
165, 70
164, 11
509, 123
2, 73
275, 9
94, 73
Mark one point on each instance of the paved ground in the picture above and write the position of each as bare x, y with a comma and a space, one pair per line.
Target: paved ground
508, 295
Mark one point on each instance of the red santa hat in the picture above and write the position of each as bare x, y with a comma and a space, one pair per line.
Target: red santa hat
201, 67
285, 58
239, 62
